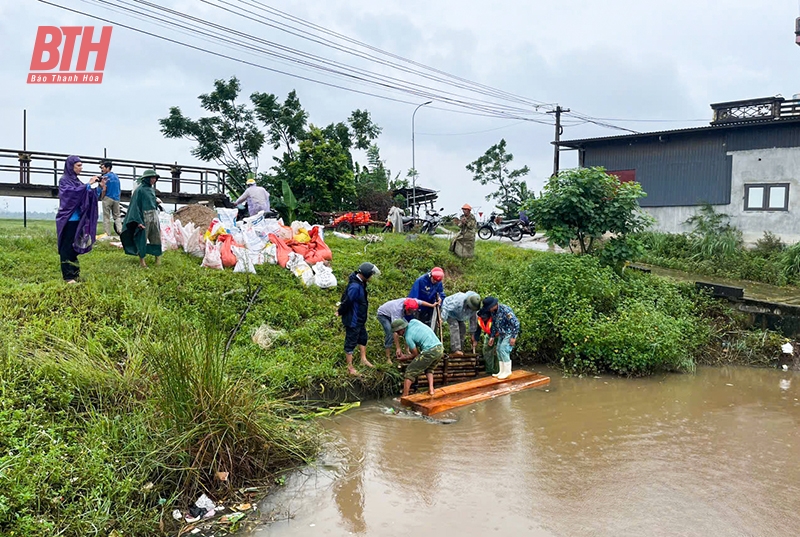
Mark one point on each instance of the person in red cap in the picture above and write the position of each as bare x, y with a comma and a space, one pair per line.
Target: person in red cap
399, 308
428, 288
463, 244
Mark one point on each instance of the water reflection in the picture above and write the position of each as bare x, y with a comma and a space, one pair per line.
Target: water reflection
348, 493
707, 454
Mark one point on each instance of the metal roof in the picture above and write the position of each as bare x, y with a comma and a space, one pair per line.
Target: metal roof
575, 144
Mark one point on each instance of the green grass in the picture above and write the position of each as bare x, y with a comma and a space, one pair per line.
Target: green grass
119, 402
770, 261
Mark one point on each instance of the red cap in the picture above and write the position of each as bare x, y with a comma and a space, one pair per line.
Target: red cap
437, 274
411, 304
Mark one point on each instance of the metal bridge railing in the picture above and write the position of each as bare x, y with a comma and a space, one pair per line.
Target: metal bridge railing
39, 168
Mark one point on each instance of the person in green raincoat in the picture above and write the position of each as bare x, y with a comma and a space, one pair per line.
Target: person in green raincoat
463, 244
141, 232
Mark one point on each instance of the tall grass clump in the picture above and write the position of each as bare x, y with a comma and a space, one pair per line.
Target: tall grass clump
712, 234
714, 248
216, 423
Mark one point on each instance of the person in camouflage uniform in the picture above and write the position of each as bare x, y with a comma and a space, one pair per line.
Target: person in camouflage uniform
463, 244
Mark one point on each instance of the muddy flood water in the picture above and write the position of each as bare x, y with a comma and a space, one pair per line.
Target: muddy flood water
716, 453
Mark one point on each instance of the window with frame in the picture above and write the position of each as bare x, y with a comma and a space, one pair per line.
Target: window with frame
766, 197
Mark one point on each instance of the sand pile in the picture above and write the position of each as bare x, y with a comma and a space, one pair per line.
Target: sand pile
200, 215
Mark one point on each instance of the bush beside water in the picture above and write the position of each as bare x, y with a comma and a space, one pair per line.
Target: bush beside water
119, 403
589, 319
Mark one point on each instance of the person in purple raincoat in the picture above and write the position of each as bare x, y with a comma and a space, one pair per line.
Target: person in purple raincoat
76, 219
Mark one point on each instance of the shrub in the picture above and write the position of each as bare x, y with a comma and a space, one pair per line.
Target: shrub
768, 245
769, 262
589, 319
583, 205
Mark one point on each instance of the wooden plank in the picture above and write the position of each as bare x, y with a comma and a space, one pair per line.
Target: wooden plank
472, 391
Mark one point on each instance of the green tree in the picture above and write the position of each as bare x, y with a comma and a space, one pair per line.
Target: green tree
229, 137
320, 176
492, 169
286, 123
364, 130
583, 204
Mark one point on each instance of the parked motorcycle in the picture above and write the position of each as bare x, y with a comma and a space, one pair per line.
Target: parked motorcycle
431, 222
408, 225
497, 227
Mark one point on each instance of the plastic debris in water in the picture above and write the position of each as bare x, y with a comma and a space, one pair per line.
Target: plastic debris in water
785, 384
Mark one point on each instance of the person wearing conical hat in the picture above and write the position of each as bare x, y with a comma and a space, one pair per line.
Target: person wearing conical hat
463, 244
141, 231
256, 197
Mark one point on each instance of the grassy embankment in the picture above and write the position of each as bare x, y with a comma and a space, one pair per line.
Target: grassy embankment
118, 401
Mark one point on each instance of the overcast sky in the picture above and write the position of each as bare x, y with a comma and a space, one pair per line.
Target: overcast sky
614, 59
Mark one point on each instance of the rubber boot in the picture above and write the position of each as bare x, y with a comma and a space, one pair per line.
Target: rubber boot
505, 370
499, 369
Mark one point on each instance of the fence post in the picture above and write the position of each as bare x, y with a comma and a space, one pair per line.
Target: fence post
175, 171
24, 168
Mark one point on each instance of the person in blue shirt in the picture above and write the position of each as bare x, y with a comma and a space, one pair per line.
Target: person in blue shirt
426, 351
399, 308
111, 201
428, 288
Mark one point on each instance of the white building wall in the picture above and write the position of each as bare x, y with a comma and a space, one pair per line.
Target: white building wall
776, 165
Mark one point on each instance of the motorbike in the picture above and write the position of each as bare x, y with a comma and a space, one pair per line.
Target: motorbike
497, 227
431, 221
408, 225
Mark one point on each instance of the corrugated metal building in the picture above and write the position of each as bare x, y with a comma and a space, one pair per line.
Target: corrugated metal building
746, 162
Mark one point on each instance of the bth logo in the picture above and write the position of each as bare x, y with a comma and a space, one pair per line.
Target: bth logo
50, 56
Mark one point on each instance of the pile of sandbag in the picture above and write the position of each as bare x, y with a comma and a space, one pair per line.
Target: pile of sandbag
226, 243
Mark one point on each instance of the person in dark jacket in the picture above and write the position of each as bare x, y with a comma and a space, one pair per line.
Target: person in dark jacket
353, 312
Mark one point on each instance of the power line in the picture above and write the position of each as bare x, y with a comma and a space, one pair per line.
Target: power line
367, 46
651, 120
489, 109
207, 31
468, 133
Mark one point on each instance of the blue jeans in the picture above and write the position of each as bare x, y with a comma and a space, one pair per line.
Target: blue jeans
504, 349
388, 335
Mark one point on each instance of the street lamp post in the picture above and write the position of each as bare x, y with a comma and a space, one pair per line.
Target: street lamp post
413, 160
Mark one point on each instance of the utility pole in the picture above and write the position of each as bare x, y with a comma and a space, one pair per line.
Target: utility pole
559, 131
